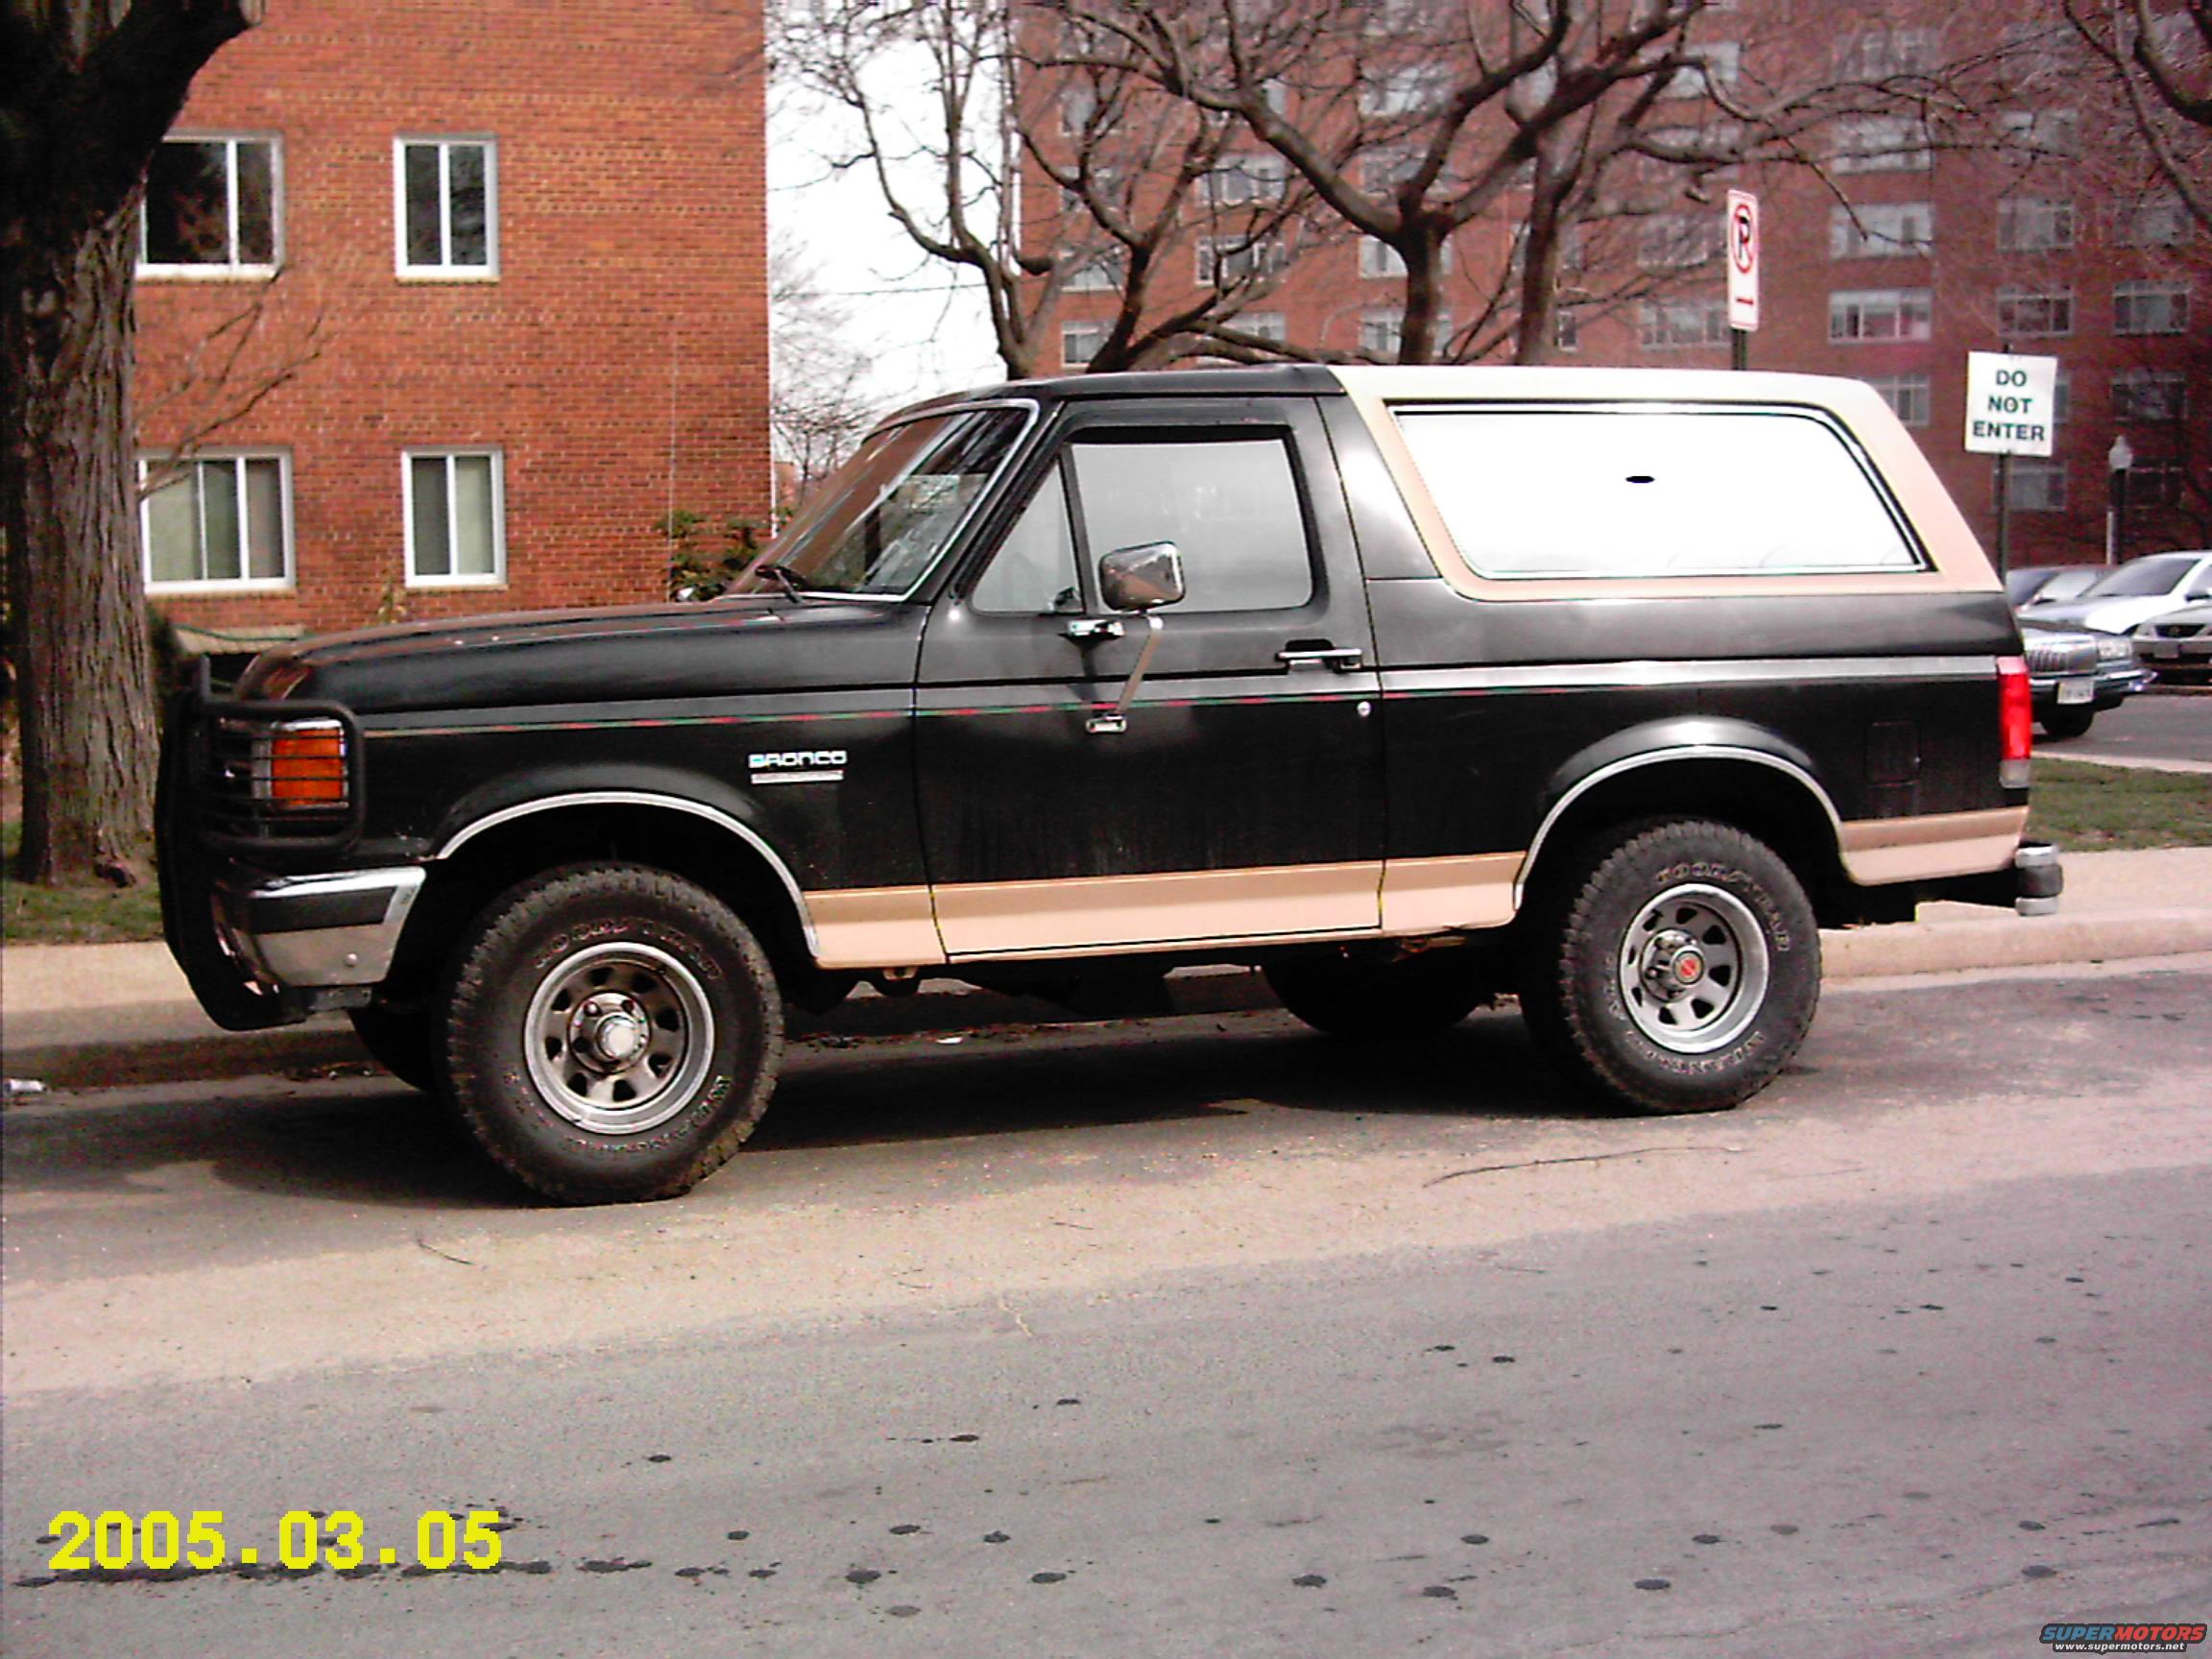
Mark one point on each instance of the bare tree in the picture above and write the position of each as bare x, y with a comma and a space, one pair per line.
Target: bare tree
818, 400
1571, 141
1130, 176
2160, 61
218, 379
87, 90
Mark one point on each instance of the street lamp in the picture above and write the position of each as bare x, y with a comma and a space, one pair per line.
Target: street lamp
2118, 459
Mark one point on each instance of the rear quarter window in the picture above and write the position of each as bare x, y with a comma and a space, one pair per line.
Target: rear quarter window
1666, 492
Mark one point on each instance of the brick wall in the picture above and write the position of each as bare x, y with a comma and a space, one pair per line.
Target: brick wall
619, 360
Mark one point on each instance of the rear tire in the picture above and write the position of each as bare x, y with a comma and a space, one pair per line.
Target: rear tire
613, 1033
1417, 995
1674, 966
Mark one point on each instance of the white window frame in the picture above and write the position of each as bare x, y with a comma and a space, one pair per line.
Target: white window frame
1897, 302
2044, 131
233, 269
1882, 231
1912, 397
1656, 323
1881, 144
1095, 273
2052, 472
2160, 220
2170, 291
450, 452
1273, 327
1255, 259
1247, 178
2034, 224
2057, 300
147, 463
2132, 388
447, 272
1097, 331
1678, 241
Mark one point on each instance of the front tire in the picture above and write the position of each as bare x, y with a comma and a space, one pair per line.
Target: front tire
2069, 722
402, 1040
613, 1033
1674, 967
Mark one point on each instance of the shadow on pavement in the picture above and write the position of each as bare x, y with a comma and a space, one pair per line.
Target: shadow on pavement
358, 1138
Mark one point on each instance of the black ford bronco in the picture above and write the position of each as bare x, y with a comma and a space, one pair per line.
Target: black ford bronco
1409, 686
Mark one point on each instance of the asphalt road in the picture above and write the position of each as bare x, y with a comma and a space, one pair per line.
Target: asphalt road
1186, 1337
2160, 725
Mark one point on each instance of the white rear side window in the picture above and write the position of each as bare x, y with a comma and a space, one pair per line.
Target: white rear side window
1652, 493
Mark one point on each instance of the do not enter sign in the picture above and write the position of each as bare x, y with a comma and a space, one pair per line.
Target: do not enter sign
2010, 403
1743, 260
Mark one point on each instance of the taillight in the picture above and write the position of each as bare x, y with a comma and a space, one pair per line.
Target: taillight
302, 765
2016, 721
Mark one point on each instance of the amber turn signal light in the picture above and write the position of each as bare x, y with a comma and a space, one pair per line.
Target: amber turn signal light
306, 765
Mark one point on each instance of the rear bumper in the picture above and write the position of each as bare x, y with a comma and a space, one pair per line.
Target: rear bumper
2030, 884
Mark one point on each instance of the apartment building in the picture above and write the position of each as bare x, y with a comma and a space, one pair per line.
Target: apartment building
444, 309
2041, 233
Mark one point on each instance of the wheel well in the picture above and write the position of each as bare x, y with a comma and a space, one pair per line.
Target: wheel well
1761, 801
695, 848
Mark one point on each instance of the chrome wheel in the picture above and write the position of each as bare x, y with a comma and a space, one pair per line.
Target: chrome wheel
1693, 969
618, 1038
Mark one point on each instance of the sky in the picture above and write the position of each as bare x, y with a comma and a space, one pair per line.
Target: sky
926, 331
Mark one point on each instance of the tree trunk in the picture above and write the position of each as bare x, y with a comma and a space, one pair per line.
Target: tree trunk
84, 675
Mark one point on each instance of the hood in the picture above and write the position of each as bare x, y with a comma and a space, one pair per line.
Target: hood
2107, 615
671, 652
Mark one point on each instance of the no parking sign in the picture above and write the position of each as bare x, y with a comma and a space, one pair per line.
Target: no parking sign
1743, 260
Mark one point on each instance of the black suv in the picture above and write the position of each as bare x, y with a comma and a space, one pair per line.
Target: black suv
1409, 686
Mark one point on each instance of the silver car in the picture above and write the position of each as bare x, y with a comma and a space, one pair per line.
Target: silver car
2074, 674
2179, 642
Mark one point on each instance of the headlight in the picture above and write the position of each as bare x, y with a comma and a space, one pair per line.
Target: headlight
2115, 648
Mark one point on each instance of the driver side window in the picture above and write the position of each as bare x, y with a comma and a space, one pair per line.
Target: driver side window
1033, 572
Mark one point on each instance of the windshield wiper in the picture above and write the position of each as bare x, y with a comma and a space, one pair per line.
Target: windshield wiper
783, 575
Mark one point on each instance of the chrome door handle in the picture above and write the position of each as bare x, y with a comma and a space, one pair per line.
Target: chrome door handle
1343, 660
1085, 628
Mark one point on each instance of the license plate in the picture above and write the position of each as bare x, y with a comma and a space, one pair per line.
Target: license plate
2165, 652
2076, 691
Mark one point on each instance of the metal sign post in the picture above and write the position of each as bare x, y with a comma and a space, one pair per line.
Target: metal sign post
2012, 409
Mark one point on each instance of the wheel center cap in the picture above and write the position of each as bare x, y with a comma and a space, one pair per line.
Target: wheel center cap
609, 1032
1672, 963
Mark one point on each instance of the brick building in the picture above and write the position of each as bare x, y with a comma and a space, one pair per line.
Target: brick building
450, 305
2041, 233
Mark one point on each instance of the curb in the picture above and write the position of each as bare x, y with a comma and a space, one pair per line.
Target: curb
1950, 943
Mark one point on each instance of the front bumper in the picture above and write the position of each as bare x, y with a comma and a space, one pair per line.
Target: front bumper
311, 933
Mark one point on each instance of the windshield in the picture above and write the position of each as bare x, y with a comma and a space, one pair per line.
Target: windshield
2142, 579
879, 522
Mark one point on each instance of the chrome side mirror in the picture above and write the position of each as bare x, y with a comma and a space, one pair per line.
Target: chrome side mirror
1141, 578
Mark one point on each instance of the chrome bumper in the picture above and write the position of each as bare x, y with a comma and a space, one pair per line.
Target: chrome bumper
2038, 879
304, 932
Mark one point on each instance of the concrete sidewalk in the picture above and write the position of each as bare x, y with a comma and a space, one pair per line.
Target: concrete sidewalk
94, 1016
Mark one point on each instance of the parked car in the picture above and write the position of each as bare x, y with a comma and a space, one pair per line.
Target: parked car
1409, 686
2179, 642
2047, 584
2075, 674
2127, 595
